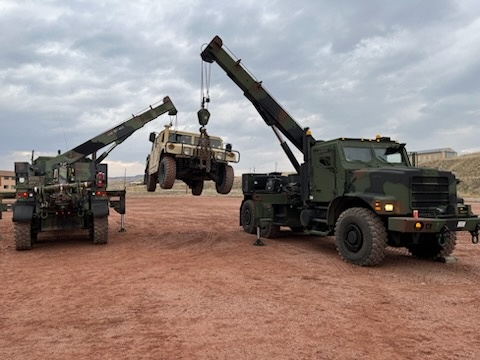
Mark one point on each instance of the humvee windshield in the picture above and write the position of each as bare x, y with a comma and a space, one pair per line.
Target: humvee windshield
192, 140
180, 138
215, 143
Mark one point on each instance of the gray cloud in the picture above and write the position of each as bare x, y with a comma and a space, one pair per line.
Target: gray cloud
70, 70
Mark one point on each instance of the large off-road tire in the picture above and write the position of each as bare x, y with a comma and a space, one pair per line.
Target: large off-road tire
361, 237
197, 187
22, 235
247, 217
167, 172
429, 247
151, 181
99, 230
270, 231
226, 177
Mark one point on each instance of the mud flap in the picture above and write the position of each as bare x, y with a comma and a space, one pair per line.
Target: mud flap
100, 208
22, 211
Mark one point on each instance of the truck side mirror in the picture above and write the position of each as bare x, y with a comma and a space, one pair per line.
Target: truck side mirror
152, 137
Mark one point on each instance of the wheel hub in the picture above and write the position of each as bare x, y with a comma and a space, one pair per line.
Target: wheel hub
353, 238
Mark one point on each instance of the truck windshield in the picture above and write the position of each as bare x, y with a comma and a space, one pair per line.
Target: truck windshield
357, 153
386, 155
389, 155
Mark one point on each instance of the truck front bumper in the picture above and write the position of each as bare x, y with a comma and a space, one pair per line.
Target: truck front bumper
431, 225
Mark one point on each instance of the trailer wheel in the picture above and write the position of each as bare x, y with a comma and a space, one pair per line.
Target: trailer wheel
197, 187
167, 172
99, 230
247, 217
430, 248
361, 237
22, 236
225, 180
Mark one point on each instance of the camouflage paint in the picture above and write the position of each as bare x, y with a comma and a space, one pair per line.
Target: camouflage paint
325, 188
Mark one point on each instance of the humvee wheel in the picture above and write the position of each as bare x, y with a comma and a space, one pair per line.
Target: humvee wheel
361, 237
22, 236
197, 187
151, 181
247, 216
225, 180
167, 172
99, 230
430, 248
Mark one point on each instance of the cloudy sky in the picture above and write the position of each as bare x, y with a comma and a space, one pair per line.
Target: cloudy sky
70, 70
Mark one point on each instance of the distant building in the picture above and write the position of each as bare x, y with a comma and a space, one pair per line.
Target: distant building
435, 154
7, 181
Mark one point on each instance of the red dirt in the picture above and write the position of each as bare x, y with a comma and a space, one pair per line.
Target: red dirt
185, 282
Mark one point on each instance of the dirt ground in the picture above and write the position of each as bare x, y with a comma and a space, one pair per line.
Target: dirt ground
185, 282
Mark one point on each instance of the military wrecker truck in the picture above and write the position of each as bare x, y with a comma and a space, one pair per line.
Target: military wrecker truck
363, 191
190, 157
69, 191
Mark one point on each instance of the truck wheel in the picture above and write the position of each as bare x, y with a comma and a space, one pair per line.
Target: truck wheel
247, 217
270, 231
22, 236
151, 182
167, 172
99, 231
225, 180
247, 214
361, 237
197, 187
429, 248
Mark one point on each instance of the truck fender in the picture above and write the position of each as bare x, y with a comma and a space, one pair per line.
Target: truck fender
340, 204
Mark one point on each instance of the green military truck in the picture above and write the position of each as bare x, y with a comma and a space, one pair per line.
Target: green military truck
365, 192
190, 157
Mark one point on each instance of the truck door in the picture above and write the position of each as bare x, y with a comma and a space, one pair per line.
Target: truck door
323, 174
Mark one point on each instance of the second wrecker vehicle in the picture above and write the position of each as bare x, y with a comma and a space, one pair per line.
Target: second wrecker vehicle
69, 191
363, 191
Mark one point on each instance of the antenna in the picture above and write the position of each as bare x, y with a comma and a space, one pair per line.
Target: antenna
64, 136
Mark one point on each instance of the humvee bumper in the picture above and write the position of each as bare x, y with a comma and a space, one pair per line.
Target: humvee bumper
429, 225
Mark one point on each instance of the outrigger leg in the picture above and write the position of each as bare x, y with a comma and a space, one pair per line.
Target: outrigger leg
259, 241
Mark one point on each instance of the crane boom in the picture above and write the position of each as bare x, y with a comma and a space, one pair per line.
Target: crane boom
269, 109
116, 135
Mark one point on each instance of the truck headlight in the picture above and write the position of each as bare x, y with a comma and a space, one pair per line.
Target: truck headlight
219, 156
187, 151
388, 207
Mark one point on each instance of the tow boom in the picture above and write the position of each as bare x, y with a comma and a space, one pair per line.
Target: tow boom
269, 109
116, 135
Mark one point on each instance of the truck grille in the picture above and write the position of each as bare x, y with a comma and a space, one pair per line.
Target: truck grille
429, 192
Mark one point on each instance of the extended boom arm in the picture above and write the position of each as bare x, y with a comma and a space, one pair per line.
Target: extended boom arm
271, 112
116, 135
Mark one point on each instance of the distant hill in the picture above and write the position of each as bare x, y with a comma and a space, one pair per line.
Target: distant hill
466, 168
